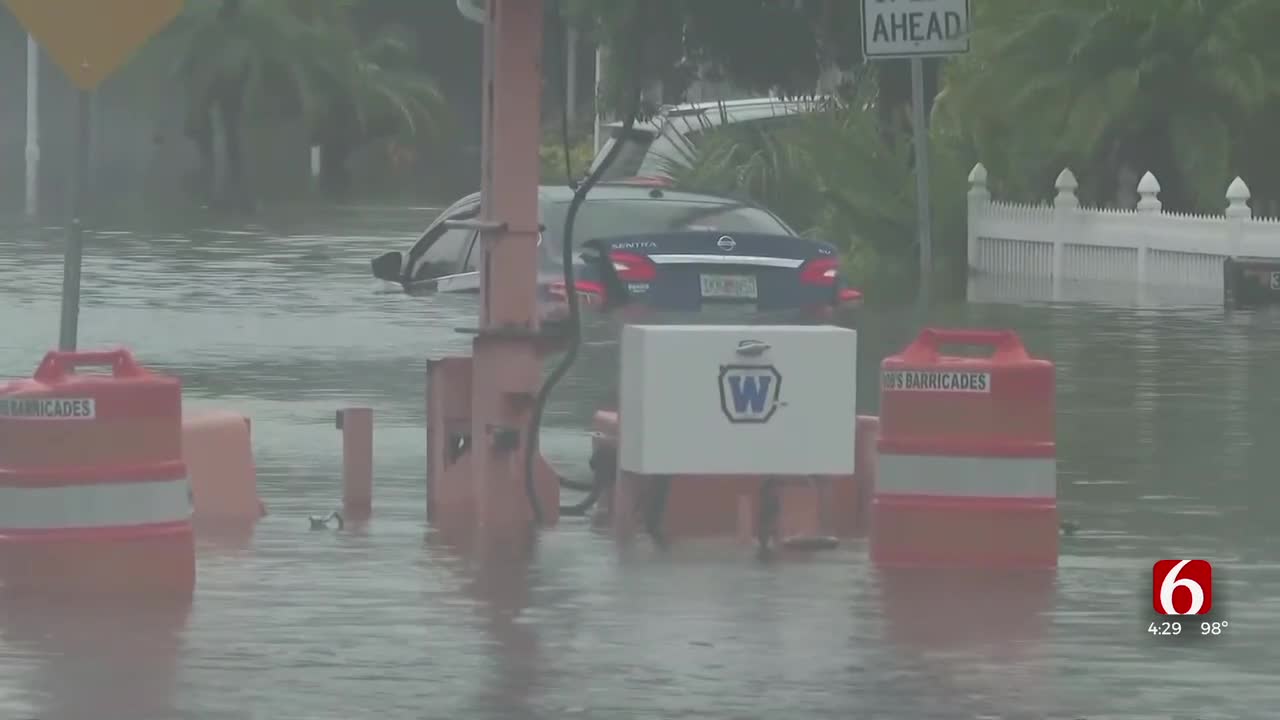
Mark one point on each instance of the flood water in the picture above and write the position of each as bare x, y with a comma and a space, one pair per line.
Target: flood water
1166, 425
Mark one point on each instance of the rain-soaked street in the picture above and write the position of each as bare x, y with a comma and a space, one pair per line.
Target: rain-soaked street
1166, 424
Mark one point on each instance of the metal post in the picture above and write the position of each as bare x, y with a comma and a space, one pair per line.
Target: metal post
599, 113
507, 368
75, 227
571, 77
33, 127
921, 132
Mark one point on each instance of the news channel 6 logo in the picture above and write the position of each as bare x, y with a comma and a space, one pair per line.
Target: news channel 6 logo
1182, 596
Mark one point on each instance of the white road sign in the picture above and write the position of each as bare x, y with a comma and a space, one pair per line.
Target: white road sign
914, 28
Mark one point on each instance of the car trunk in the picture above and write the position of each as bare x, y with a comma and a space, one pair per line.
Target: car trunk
693, 270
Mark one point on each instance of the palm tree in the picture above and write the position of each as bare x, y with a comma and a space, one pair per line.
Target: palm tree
235, 54
370, 92
299, 60
1160, 85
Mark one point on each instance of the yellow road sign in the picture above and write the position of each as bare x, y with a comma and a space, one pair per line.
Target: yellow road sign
91, 39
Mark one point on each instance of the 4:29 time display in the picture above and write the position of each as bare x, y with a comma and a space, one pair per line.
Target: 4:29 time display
1165, 627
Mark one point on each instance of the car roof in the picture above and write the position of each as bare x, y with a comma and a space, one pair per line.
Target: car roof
743, 109
614, 191
626, 191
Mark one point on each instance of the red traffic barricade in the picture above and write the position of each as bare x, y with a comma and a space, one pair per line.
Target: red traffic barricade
967, 456
94, 493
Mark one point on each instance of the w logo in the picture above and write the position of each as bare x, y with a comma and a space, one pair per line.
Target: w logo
749, 393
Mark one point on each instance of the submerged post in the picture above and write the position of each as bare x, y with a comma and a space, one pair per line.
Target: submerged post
74, 254
356, 425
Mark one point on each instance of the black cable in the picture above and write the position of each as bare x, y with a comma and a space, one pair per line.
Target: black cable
579, 486
571, 295
604, 468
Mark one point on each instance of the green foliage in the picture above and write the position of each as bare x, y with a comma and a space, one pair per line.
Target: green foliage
304, 58
1163, 85
1189, 89
551, 159
832, 176
1184, 88
266, 49
374, 86
761, 45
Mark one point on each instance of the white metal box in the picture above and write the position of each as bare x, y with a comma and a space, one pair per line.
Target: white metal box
738, 399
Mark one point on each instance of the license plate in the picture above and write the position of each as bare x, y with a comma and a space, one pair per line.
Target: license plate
729, 286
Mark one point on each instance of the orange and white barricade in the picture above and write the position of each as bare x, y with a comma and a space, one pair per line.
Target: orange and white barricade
93, 489
967, 456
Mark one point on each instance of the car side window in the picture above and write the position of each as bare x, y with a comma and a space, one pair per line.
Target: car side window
444, 255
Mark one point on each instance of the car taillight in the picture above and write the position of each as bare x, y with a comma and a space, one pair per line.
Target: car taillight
820, 271
631, 267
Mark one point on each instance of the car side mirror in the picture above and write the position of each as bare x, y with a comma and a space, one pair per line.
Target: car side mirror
387, 266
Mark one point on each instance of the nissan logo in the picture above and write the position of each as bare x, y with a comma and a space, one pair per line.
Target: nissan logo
726, 243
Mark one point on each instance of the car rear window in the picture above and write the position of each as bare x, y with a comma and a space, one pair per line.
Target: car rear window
627, 163
613, 218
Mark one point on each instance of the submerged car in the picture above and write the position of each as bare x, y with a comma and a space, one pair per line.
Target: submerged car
641, 246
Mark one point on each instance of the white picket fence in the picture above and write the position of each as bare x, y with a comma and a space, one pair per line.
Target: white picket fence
1062, 251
